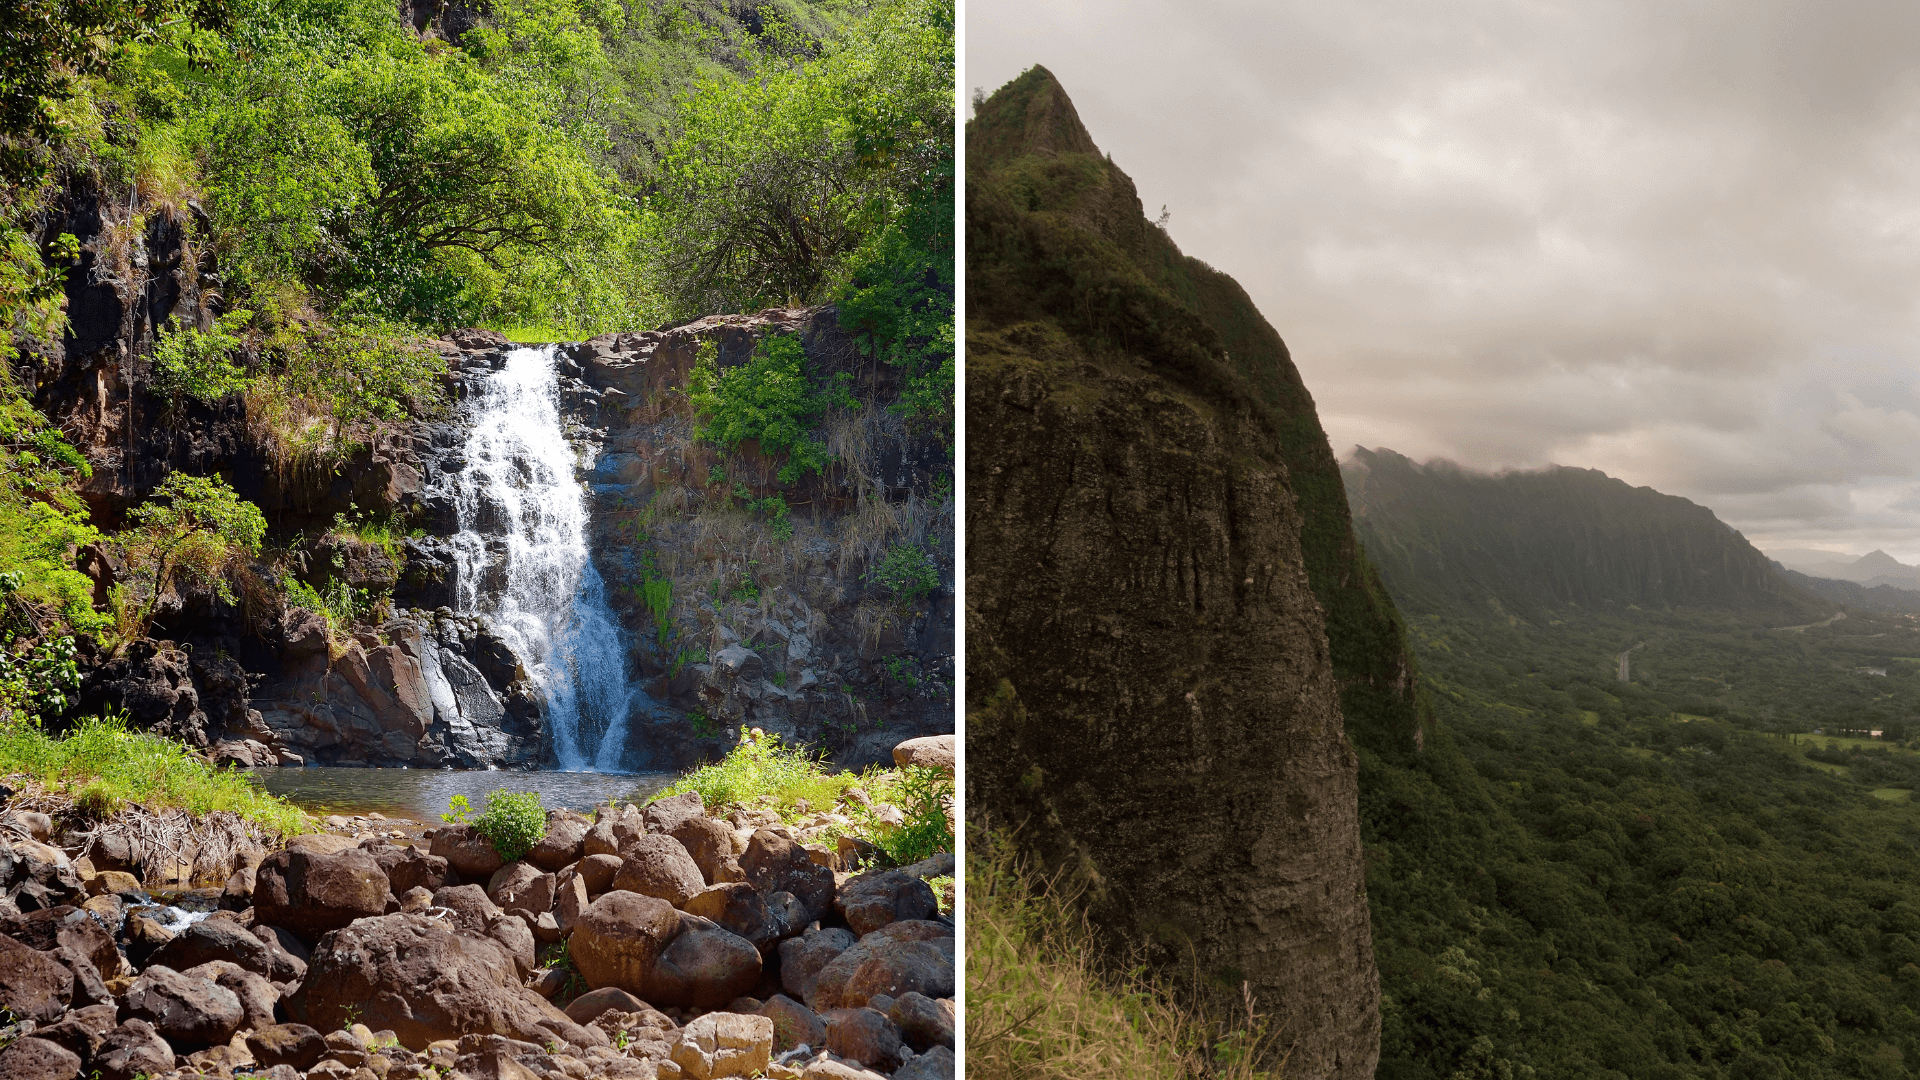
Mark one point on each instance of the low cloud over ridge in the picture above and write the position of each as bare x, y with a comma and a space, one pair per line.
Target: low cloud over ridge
1677, 243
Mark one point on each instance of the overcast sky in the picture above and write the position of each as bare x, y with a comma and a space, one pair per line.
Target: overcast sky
1677, 241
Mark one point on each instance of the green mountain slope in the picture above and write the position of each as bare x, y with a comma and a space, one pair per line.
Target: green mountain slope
1535, 543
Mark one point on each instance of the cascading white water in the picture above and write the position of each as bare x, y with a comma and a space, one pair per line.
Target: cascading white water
521, 558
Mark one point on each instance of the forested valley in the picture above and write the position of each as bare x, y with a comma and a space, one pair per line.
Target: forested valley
1671, 875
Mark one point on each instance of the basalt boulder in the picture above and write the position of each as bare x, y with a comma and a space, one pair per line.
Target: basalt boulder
310, 894
411, 975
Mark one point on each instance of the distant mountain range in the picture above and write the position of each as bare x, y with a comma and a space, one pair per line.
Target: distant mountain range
1872, 569
1532, 544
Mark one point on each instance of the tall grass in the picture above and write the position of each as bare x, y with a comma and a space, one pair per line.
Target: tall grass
1040, 1007
761, 773
103, 767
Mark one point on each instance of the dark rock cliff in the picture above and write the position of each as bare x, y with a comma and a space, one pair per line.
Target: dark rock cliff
1517, 543
1166, 606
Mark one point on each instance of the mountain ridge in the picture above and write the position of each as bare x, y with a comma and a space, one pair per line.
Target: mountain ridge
1531, 543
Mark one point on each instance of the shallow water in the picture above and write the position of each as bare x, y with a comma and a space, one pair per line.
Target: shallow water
423, 794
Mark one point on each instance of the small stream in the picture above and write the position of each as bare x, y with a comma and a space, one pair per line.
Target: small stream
423, 794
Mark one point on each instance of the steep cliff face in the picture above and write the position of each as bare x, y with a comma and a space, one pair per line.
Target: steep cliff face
1527, 541
1165, 602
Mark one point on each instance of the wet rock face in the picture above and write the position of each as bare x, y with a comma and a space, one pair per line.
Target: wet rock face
1160, 683
441, 691
800, 668
1153, 702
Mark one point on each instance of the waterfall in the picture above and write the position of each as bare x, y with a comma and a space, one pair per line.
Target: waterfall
521, 558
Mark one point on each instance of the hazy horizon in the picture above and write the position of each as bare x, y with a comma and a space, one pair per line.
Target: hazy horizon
1667, 243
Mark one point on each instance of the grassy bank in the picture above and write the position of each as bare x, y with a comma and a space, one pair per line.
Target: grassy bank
1040, 1008
761, 774
104, 767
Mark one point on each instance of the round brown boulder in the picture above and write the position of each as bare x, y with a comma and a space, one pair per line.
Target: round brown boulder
217, 939
466, 851
664, 815
564, 842
739, 910
871, 901
619, 938
703, 966
38, 1059
410, 974
598, 872
310, 894
656, 865
710, 843
521, 885
188, 1010
130, 1050
33, 985
774, 863
933, 751
902, 957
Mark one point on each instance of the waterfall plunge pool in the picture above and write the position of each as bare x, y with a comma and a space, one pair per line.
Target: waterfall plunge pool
522, 560
422, 794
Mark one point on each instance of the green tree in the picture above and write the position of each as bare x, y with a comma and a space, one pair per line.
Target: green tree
189, 532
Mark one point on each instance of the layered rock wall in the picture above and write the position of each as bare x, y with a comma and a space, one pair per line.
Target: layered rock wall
1155, 705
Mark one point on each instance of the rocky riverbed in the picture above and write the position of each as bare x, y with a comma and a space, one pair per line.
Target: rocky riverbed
664, 941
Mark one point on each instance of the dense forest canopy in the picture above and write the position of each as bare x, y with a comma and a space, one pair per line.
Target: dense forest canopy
1666, 876
353, 176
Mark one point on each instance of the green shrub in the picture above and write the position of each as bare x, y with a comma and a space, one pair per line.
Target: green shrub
513, 821
923, 794
36, 675
907, 571
759, 766
192, 363
768, 399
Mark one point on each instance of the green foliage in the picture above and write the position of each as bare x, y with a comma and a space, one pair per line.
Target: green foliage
192, 363
924, 795
656, 590
343, 606
105, 767
36, 675
513, 822
336, 384
192, 530
907, 571
778, 515
759, 772
776, 180
768, 399
44, 44
900, 670
459, 811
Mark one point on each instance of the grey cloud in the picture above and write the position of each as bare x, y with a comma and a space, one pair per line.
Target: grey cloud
1673, 241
